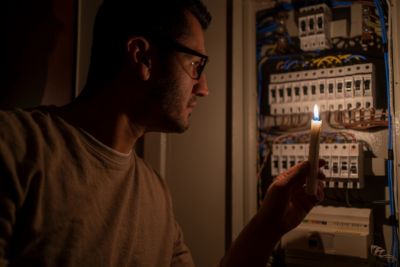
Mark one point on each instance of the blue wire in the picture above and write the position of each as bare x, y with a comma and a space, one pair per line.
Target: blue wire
287, 6
259, 79
266, 41
390, 137
341, 4
266, 29
353, 56
289, 38
385, 55
382, 21
259, 89
286, 64
291, 64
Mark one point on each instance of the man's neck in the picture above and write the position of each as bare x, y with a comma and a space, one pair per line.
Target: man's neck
99, 116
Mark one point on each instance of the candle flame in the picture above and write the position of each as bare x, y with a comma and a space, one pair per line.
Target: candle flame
316, 113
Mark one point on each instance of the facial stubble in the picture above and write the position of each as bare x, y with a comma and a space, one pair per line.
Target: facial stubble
170, 98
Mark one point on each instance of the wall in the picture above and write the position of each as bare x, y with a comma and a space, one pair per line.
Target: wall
37, 53
195, 169
87, 12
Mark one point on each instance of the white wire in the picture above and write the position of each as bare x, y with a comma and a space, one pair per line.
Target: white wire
381, 253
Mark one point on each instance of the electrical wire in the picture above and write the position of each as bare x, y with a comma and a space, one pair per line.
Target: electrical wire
350, 57
293, 63
381, 253
390, 136
390, 69
287, 64
339, 4
326, 137
259, 103
267, 29
358, 119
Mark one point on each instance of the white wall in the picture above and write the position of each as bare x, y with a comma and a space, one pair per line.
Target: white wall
195, 169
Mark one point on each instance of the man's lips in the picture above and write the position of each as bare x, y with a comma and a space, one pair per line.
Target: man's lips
192, 103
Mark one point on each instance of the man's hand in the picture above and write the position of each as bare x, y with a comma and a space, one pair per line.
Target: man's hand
286, 202
284, 207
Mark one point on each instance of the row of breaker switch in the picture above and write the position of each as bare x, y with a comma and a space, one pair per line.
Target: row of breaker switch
344, 161
341, 87
355, 88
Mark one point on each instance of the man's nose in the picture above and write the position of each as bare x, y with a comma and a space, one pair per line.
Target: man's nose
201, 88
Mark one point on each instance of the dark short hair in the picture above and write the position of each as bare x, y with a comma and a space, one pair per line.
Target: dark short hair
117, 20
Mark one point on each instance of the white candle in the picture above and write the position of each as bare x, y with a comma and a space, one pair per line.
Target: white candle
313, 155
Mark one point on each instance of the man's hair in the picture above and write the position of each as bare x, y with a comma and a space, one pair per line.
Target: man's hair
117, 20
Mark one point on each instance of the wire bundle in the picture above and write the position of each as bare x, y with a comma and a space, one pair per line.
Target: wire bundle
358, 119
292, 122
318, 62
326, 137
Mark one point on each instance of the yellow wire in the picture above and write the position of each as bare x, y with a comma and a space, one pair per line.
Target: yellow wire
342, 57
333, 58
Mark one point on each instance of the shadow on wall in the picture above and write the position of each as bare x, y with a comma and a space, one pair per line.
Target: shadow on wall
36, 47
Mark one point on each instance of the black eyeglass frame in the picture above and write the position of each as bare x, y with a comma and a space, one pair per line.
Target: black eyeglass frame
167, 42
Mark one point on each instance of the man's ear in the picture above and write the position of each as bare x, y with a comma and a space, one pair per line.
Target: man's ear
139, 55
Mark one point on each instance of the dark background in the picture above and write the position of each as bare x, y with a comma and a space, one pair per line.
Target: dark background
38, 52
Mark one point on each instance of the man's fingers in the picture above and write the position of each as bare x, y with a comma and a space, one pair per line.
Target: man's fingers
295, 173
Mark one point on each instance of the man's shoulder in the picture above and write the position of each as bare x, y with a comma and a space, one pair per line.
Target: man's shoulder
21, 129
22, 116
22, 121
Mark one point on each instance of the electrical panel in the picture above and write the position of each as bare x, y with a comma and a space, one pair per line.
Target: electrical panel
333, 54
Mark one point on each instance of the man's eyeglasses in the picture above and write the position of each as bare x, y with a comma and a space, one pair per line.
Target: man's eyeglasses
197, 66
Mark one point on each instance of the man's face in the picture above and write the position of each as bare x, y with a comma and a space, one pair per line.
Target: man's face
178, 87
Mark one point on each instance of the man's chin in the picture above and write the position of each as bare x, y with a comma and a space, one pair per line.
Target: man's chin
176, 127
181, 128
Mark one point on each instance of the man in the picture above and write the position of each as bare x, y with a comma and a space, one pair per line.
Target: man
73, 192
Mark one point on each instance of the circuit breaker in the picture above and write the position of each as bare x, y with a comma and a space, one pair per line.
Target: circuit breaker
334, 55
